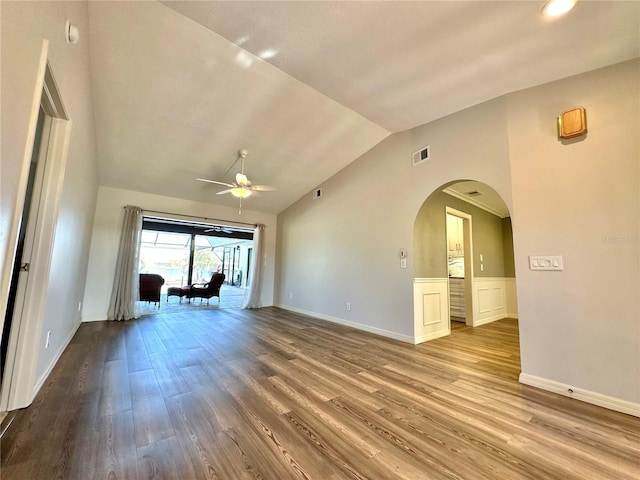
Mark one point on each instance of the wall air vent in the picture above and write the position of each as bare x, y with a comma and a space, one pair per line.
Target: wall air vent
421, 155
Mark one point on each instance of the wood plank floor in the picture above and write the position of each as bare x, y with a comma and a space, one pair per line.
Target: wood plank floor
269, 394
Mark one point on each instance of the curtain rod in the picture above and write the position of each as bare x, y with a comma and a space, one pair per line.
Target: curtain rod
200, 218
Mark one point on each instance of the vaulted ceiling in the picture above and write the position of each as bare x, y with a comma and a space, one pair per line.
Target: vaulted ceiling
308, 87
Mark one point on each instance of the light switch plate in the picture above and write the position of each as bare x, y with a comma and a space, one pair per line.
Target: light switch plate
545, 262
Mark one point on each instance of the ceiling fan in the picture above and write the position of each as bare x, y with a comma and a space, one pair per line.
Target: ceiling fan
241, 187
218, 229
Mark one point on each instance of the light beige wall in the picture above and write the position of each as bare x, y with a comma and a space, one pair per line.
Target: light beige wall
344, 247
24, 25
106, 238
580, 199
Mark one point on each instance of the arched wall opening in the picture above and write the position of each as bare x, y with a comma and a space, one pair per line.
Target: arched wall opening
463, 259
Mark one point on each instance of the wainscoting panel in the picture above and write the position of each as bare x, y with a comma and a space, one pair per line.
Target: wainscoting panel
484, 300
431, 308
498, 298
491, 300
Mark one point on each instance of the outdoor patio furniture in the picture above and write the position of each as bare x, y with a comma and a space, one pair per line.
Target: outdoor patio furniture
150, 285
207, 290
178, 292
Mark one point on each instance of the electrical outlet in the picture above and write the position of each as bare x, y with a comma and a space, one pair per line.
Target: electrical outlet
290, 295
79, 306
46, 345
348, 307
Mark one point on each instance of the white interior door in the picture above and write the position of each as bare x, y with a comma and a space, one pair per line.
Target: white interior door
25, 251
19, 384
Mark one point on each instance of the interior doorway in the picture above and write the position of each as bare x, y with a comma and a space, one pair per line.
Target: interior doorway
21, 262
459, 234
36, 217
463, 262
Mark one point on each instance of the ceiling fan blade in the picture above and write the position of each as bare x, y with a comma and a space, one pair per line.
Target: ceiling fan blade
242, 180
222, 192
263, 188
214, 181
218, 229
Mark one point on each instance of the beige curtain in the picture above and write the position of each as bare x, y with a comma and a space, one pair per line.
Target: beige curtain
125, 293
252, 295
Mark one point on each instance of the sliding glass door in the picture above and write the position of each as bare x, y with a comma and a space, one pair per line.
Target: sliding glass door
231, 264
187, 253
207, 258
167, 254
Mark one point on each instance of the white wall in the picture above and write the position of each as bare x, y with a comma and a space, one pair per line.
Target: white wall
106, 237
24, 25
580, 199
579, 327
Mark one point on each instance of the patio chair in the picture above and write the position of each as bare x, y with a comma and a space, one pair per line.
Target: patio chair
150, 285
207, 290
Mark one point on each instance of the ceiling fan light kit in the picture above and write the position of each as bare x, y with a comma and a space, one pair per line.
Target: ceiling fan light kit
240, 192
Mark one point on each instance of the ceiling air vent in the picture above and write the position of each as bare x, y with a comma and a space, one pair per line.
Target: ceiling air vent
421, 155
474, 193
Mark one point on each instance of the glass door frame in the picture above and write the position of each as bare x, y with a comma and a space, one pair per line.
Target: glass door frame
197, 229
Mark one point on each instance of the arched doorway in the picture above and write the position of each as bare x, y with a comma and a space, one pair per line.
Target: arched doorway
463, 262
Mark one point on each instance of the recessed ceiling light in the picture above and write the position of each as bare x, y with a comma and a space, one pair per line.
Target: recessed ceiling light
555, 8
268, 53
241, 41
244, 59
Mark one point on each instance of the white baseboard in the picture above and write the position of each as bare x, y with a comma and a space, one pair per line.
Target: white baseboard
94, 320
347, 323
494, 318
612, 403
432, 336
54, 361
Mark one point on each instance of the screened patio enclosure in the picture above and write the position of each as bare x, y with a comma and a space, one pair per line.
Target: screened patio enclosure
184, 253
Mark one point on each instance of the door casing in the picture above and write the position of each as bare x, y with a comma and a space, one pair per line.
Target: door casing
19, 383
468, 262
